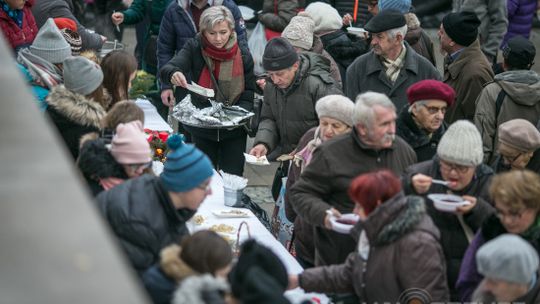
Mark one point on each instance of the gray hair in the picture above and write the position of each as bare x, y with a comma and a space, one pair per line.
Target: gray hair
214, 15
363, 109
417, 104
392, 33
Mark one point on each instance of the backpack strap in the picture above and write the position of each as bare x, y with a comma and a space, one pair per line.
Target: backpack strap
499, 102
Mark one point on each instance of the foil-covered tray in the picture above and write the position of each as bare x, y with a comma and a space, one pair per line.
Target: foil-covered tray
217, 116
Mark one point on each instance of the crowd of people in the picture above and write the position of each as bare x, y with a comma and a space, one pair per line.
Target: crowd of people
364, 124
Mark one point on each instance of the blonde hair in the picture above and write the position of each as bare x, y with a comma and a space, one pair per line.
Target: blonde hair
516, 189
214, 15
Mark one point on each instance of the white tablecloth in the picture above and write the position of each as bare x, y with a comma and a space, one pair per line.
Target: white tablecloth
152, 119
215, 202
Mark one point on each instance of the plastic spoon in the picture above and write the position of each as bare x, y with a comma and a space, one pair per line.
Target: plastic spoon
440, 182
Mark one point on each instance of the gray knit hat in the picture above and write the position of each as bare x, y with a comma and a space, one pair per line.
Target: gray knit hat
50, 44
279, 54
461, 144
508, 258
337, 107
519, 134
299, 32
82, 75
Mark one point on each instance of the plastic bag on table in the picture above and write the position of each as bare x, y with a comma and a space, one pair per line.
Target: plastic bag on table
282, 228
257, 44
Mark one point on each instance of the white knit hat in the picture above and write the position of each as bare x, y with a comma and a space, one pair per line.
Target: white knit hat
337, 107
326, 17
50, 44
299, 32
461, 144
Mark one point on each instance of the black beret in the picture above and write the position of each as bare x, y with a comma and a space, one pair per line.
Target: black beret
461, 27
385, 20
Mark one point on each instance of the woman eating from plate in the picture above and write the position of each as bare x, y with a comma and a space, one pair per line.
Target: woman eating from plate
215, 60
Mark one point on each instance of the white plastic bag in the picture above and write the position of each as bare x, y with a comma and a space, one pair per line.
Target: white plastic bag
257, 44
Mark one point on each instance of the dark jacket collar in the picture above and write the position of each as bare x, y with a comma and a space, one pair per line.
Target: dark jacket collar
175, 215
412, 134
471, 53
374, 65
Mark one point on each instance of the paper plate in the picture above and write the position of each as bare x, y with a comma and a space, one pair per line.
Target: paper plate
447, 202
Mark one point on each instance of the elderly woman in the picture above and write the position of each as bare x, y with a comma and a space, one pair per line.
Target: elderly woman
215, 60
518, 139
334, 112
459, 164
398, 248
517, 200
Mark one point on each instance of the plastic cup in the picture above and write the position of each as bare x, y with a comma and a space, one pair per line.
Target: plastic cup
233, 198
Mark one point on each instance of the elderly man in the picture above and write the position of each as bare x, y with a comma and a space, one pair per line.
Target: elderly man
421, 124
392, 65
493, 22
510, 267
323, 185
466, 69
515, 93
288, 111
457, 170
518, 140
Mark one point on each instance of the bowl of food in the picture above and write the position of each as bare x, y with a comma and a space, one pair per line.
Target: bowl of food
344, 223
447, 202
357, 31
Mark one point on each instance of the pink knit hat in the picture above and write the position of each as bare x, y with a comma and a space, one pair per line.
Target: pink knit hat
129, 145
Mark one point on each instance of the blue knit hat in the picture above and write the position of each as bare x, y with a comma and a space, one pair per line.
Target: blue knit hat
403, 6
186, 167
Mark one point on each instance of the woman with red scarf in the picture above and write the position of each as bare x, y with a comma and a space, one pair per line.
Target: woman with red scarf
216, 52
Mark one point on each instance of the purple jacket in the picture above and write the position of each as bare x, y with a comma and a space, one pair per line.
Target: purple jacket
520, 17
469, 278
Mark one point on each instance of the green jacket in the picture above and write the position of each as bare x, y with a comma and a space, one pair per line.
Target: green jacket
138, 9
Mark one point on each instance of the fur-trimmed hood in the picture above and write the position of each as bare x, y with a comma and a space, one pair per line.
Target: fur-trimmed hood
173, 266
95, 161
76, 107
394, 219
201, 289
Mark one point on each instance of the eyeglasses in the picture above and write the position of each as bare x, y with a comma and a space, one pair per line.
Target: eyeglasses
142, 166
206, 187
511, 215
449, 167
435, 110
510, 159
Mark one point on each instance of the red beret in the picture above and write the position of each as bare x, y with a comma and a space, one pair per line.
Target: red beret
63, 23
431, 89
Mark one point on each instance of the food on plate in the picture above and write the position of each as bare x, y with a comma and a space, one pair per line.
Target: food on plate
222, 228
236, 212
198, 219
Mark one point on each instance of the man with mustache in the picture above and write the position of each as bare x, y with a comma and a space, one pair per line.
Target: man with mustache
392, 65
421, 123
323, 185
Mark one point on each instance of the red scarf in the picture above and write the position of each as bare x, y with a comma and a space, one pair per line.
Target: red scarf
227, 67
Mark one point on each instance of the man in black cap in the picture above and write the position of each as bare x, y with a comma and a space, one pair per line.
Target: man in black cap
513, 94
392, 65
466, 68
295, 83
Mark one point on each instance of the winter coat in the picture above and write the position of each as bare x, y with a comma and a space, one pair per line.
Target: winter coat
177, 28
276, 14
95, 162
162, 279
531, 297
325, 182
303, 232
286, 115
520, 18
522, 100
424, 146
318, 48
191, 63
403, 253
467, 75
347, 7
44, 9
493, 18
19, 37
40, 93
469, 277
367, 73
453, 239
418, 39
143, 218
73, 115
138, 10
344, 49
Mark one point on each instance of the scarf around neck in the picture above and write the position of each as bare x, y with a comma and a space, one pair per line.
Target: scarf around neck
44, 73
393, 67
14, 14
227, 67
303, 157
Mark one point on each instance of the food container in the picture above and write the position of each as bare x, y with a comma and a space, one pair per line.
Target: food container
233, 198
344, 223
447, 202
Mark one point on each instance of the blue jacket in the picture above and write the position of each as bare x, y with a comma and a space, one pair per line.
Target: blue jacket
177, 27
39, 92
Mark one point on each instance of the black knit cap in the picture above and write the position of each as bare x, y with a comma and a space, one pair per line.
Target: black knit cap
385, 20
519, 52
461, 27
279, 54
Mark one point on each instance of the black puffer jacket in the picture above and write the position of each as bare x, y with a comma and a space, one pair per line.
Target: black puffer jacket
143, 218
96, 162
